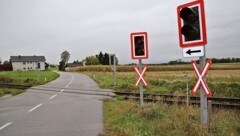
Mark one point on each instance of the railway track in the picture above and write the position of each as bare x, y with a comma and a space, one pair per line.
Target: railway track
15, 86
217, 102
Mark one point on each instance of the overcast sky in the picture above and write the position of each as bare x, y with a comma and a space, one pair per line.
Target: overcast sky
86, 27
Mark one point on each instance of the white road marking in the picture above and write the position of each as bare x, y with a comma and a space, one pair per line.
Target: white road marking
52, 96
72, 79
61, 90
2, 127
35, 107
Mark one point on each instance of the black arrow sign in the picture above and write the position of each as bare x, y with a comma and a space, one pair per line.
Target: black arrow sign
189, 51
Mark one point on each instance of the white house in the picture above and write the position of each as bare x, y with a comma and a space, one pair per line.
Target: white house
26, 63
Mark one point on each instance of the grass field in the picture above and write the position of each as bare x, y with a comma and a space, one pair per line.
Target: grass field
222, 79
126, 118
31, 78
222, 83
27, 77
184, 67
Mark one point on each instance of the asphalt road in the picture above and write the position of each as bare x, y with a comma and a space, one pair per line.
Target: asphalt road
69, 106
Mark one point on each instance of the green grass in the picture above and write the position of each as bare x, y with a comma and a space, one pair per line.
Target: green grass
27, 77
184, 67
126, 118
53, 68
30, 78
222, 83
12, 91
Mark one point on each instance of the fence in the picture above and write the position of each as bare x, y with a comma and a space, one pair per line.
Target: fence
6, 68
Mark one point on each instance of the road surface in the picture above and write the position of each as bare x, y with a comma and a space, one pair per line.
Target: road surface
69, 106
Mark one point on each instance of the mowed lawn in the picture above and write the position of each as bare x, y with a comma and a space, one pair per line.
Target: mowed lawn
34, 77
30, 78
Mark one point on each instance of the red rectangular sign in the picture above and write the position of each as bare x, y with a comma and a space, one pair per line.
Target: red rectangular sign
139, 45
202, 40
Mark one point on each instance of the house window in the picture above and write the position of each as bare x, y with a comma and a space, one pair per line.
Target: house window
24, 63
24, 68
39, 66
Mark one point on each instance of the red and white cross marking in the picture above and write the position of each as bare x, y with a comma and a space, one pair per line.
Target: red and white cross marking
140, 76
200, 78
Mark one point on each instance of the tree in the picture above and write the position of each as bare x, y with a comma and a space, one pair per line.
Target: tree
46, 65
103, 59
65, 56
92, 60
100, 57
6, 62
106, 59
61, 66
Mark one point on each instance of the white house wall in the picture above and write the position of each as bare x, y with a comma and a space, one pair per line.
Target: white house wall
27, 66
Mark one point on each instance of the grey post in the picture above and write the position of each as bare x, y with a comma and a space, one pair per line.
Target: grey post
140, 84
186, 80
37, 70
209, 114
114, 70
203, 97
110, 60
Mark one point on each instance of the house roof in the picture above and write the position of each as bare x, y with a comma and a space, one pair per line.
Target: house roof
27, 58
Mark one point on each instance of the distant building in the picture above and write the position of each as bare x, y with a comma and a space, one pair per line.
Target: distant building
70, 66
6, 67
74, 64
27, 63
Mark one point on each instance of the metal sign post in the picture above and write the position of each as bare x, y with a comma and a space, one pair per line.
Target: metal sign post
140, 81
201, 83
37, 70
140, 84
114, 70
139, 50
203, 97
185, 77
193, 38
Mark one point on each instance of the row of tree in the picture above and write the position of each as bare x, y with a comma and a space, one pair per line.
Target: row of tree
100, 59
225, 60
180, 61
214, 60
103, 59
5, 62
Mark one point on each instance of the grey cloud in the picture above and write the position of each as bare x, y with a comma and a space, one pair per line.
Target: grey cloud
86, 27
